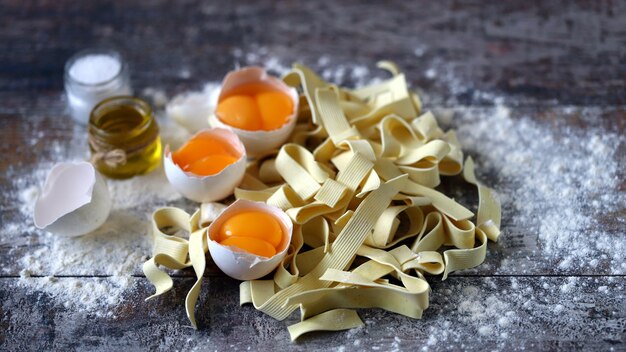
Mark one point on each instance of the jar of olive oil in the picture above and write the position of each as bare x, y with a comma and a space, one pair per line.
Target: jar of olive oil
124, 137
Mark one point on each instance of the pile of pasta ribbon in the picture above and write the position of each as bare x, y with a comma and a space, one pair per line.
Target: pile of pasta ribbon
358, 180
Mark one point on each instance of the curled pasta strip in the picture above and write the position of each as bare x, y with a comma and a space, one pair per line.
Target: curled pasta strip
338, 319
332, 116
300, 170
177, 253
386, 234
357, 179
303, 77
452, 163
268, 172
390, 97
489, 210
426, 127
284, 197
458, 259
287, 272
168, 250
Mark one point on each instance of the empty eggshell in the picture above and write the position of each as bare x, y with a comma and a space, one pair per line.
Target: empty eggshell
191, 110
242, 265
74, 200
213, 187
260, 142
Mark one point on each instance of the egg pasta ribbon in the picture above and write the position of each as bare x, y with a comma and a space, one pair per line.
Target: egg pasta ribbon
175, 252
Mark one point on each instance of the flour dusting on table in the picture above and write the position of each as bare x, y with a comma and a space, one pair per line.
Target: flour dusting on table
555, 190
115, 251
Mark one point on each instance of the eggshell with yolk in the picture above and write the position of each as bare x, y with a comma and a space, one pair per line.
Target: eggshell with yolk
259, 142
241, 265
212, 187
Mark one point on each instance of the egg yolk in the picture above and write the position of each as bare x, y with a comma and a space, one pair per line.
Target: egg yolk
255, 232
251, 245
255, 106
205, 156
240, 111
210, 165
253, 224
275, 107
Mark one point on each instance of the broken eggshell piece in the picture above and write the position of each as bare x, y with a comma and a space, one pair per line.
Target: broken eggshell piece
260, 142
191, 110
74, 200
237, 263
212, 187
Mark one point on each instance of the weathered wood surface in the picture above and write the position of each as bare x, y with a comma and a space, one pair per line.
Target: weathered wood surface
556, 52
550, 319
542, 57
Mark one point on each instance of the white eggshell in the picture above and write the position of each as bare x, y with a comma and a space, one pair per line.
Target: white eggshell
208, 188
262, 142
242, 265
191, 110
74, 201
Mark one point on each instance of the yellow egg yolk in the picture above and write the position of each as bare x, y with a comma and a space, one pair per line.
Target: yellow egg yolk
251, 245
252, 224
275, 107
210, 165
240, 111
252, 231
255, 106
204, 156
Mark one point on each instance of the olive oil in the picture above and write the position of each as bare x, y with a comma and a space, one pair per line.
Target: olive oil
124, 137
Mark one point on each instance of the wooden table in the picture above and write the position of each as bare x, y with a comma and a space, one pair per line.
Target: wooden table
546, 59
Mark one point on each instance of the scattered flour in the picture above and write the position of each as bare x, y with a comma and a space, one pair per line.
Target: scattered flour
352, 74
114, 253
563, 197
555, 190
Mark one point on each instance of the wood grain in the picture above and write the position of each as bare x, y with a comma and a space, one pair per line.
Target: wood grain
593, 321
550, 61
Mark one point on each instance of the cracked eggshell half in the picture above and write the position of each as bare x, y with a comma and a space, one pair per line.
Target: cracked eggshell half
191, 110
237, 263
210, 188
74, 201
258, 143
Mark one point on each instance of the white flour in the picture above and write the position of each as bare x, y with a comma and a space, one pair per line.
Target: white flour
116, 250
554, 189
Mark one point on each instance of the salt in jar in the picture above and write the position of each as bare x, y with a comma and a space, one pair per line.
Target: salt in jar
92, 76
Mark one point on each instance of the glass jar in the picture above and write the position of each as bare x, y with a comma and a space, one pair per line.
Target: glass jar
92, 76
124, 137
